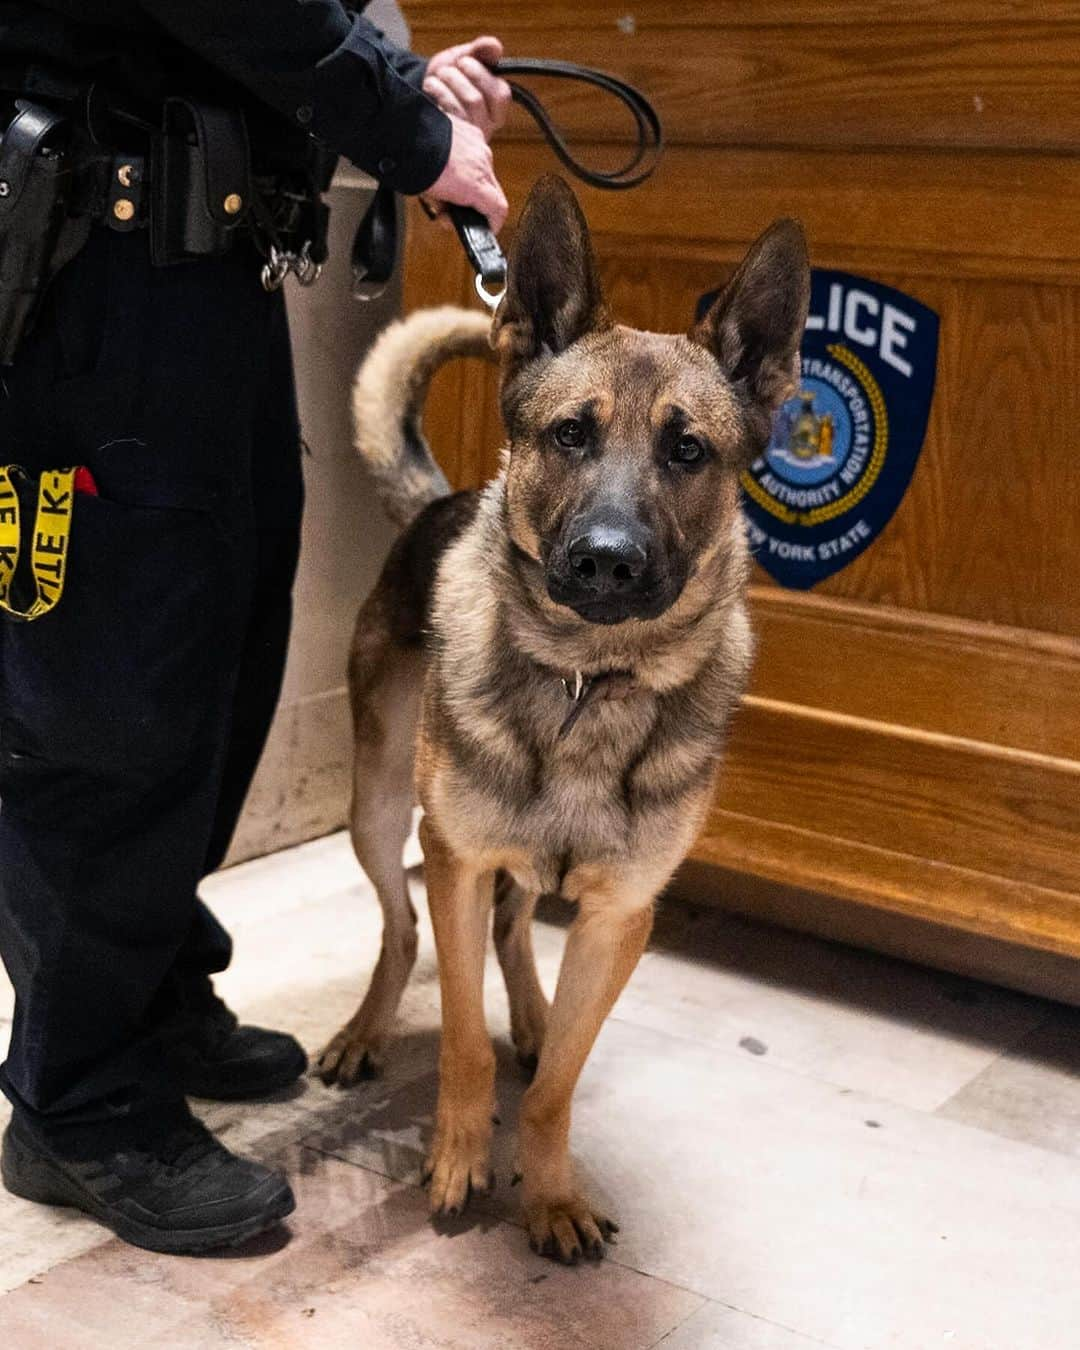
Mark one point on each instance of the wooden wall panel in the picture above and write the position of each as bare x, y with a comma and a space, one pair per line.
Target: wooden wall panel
947, 798
890, 879
999, 216
570, 17
911, 741
870, 84
999, 686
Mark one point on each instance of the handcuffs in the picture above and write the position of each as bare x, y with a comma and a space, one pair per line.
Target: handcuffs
282, 261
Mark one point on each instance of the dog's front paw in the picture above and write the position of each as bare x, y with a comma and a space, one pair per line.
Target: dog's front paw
566, 1228
457, 1166
354, 1053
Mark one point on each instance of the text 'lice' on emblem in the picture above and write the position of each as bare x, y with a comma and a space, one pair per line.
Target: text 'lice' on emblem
844, 448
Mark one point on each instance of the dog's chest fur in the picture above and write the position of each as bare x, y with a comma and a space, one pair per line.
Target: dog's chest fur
630, 771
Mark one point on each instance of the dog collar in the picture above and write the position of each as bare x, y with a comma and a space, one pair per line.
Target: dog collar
582, 689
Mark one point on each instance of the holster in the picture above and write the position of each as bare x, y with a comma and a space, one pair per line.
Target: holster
37, 235
200, 174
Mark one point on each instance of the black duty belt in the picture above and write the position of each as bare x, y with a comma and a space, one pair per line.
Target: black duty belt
375, 245
196, 191
186, 178
182, 169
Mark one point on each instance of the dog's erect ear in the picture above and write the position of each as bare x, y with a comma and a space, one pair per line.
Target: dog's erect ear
755, 327
553, 292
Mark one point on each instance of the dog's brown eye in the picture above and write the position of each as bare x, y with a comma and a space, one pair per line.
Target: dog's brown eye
570, 434
688, 450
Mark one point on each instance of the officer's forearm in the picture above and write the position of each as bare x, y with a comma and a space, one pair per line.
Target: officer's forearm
335, 75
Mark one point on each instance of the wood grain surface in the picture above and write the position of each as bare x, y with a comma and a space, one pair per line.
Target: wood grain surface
947, 798
894, 880
870, 84
512, 17
921, 671
990, 216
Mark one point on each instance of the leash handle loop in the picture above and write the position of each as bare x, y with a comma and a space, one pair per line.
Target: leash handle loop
650, 132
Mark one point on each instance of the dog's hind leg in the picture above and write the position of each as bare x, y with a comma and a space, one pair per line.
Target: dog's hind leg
385, 714
513, 944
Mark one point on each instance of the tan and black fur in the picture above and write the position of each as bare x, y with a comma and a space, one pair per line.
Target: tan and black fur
609, 549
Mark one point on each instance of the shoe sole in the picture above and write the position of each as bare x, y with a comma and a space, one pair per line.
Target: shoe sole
31, 1177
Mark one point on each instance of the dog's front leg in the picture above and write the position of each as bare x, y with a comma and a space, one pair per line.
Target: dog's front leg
460, 898
603, 947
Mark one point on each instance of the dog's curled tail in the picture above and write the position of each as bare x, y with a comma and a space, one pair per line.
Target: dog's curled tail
388, 400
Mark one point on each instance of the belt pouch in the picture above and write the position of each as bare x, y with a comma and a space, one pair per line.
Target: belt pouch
200, 181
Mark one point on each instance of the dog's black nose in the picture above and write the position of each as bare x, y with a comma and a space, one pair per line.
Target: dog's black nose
609, 557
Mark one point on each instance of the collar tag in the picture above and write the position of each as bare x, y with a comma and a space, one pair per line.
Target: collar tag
573, 693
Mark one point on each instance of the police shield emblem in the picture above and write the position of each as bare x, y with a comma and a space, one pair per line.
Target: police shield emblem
844, 448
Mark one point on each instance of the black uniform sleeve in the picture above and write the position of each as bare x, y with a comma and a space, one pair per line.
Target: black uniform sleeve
329, 72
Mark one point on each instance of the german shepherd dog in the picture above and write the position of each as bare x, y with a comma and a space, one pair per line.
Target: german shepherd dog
553, 662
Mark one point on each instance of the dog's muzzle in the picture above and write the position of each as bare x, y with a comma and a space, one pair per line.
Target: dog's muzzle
606, 573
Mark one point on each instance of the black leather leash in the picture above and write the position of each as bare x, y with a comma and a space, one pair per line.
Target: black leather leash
375, 246
650, 133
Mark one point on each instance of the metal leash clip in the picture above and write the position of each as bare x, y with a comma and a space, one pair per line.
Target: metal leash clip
282, 261
492, 300
574, 691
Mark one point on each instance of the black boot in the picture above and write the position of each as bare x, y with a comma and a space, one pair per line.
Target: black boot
159, 1180
213, 1056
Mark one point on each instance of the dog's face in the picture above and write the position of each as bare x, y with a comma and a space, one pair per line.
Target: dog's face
626, 446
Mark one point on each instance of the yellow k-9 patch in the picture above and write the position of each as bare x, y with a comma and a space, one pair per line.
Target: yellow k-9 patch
49, 547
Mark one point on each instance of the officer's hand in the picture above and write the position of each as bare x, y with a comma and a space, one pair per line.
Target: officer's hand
460, 82
469, 177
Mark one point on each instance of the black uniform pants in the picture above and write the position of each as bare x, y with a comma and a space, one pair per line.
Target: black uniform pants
132, 716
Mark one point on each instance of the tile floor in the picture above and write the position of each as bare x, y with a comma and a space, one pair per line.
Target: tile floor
807, 1146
